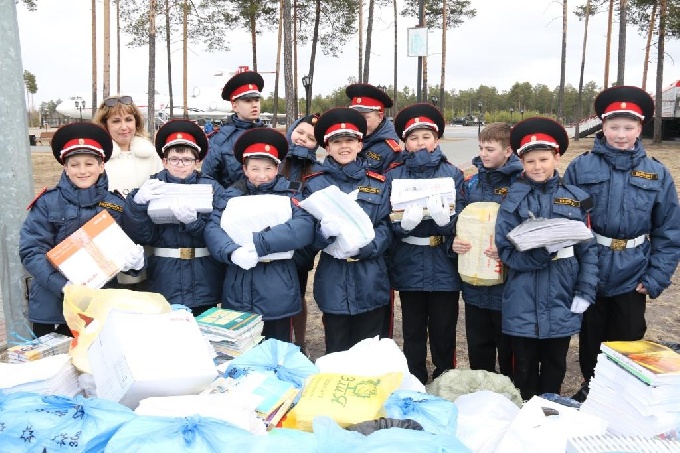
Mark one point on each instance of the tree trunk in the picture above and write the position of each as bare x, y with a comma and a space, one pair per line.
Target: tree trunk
563, 63
185, 60
608, 47
442, 92
395, 108
288, 64
94, 57
650, 33
369, 32
278, 66
151, 88
579, 114
361, 41
658, 107
169, 52
107, 49
295, 59
118, 46
253, 40
622, 43
315, 43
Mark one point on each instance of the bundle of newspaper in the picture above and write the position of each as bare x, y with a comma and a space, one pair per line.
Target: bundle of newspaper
230, 332
356, 228
200, 196
45, 346
244, 216
409, 191
54, 375
553, 234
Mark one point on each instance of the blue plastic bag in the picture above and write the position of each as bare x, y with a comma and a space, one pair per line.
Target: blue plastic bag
283, 359
436, 415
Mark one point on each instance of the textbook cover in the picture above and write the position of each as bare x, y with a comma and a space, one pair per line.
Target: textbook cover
652, 363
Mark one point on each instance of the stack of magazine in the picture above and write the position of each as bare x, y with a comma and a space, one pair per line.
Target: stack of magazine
636, 388
230, 332
45, 346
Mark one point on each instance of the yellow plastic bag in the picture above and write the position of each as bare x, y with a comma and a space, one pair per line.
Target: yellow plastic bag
347, 399
86, 309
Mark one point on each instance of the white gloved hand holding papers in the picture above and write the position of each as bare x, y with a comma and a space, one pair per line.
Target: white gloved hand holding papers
440, 213
150, 190
245, 256
330, 226
183, 212
134, 258
413, 215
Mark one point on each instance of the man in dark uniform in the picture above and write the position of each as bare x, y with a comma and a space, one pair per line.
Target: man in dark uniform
243, 90
381, 143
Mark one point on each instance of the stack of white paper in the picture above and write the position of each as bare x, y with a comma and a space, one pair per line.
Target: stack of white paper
200, 196
416, 191
250, 214
553, 234
54, 375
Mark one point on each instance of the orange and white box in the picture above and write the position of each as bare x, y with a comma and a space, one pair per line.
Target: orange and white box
93, 254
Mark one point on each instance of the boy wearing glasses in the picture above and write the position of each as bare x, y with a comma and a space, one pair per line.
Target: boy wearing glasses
181, 268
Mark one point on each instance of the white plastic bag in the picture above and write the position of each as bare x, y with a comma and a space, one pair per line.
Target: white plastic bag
483, 419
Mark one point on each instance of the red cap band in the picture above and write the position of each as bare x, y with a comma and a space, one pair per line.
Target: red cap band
623, 107
342, 128
419, 121
262, 149
243, 90
368, 103
183, 136
537, 139
79, 143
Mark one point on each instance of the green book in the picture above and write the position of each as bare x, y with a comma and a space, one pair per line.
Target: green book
227, 322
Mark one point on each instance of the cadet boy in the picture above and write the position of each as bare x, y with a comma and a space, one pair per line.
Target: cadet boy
545, 292
497, 167
81, 193
353, 292
420, 267
243, 91
636, 222
181, 268
267, 287
381, 143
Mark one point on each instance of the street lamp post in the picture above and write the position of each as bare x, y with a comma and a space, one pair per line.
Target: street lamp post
307, 83
521, 112
434, 99
80, 105
512, 110
479, 120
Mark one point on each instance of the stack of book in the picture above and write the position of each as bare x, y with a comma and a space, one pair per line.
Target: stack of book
230, 332
45, 346
53, 375
636, 388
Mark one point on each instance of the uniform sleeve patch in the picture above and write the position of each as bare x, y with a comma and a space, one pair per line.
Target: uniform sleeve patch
40, 194
368, 189
501, 191
113, 206
374, 175
568, 202
394, 145
373, 155
643, 175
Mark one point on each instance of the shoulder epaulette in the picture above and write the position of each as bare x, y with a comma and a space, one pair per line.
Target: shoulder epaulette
374, 175
394, 165
469, 177
394, 145
40, 194
311, 175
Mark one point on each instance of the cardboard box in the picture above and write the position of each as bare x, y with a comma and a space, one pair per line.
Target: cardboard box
200, 196
137, 356
93, 254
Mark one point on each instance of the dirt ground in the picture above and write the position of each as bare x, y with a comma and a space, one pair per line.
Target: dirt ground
663, 314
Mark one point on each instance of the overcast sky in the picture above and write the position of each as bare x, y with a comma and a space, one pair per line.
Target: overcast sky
507, 42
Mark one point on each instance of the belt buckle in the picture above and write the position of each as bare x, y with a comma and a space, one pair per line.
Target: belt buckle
436, 240
618, 244
352, 260
187, 253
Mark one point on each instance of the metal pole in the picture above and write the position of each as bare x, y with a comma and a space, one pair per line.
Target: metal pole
16, 174
420, 96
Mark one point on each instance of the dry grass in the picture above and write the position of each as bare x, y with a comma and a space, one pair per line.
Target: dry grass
663, 314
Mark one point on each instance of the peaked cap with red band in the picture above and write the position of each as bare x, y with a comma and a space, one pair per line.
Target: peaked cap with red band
628, 101
367, 98
261, 142
538, 133
244, 85
181, 133
339, 122
419, 116
81, 138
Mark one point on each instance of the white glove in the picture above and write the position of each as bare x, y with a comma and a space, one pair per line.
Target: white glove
134, 258
579, 305
183, 212
245, 256
150, 190
440, 213
413, 215
330, 226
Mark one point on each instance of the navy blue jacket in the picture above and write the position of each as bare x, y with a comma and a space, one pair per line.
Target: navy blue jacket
297, 158
418, 267
220, 163
193, 282
351, 288
381, 148
58, 213
270, 289
633, 195
488, 185
539, 290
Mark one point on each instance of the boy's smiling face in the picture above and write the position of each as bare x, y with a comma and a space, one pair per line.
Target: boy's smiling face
540, 164
343, 149
83, 169
260, 170
621, 132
